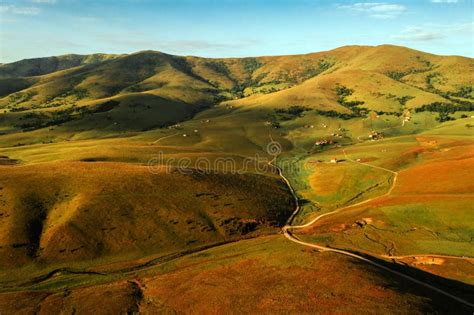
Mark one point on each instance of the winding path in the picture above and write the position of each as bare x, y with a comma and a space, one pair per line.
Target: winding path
287, 231
165, 137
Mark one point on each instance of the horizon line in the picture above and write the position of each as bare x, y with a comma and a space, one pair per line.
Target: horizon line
232, 57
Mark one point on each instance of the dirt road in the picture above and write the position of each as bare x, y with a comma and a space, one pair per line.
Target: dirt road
288, 228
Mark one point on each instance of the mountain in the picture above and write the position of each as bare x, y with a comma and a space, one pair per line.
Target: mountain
41, 66
156, 183
106, 89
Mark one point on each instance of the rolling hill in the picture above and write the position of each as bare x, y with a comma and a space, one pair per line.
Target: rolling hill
147, 179
104, 89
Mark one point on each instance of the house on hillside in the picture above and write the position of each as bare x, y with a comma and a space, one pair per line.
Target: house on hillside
376, 135
334, 160
324, 142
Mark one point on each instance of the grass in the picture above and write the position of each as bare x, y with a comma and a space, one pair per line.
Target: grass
84, 190
307, 80
427, 212
251, 275
140, 216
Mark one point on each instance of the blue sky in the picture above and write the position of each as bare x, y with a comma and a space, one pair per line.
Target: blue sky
226, 28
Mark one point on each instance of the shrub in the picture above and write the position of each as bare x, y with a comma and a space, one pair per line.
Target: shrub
251, 65
218, 66
295, 110
445, 107
343, 92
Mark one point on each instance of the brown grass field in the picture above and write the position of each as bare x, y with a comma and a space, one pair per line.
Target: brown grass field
87, 226
264, 275
88, 210
428, 211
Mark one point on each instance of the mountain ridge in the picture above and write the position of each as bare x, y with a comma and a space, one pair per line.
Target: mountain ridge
231, 57
383, 78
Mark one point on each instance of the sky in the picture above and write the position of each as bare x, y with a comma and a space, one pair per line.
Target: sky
230, 28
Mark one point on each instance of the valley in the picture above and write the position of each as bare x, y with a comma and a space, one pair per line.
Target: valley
166, 183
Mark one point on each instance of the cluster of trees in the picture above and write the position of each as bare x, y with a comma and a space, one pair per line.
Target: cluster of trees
381, 112
404, 99
398, 75
427, 63
440, 107
35, 121
77, 92
464, 92
284, 114
342, 92
444, 109
429, 81
18, 109
238, 90
459, 102
218, 66
295, 110
269, 90
443, 116
401, 99
20, 97
183, 65
218, 98
310, 72
251, 65
49, 103
333, 113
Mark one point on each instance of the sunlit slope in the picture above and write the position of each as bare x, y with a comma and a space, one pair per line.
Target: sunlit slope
264, 275
139, 72
383, 78
83, 210
408, 65
374, 90
40, 66
428, 211
386, 78
76, 192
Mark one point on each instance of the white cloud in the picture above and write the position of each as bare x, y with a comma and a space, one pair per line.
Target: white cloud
458, 27
133, 41
444, 1
414, 33
430, 32
186, 45
5, 9
379, 10
44, 1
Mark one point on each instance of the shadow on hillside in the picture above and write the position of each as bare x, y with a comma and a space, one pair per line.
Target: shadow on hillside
437, 301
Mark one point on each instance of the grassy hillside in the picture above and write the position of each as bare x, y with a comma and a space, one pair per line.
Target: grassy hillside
266, 275
41, 66
354, 80
427, 212
114, 179
94, 209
